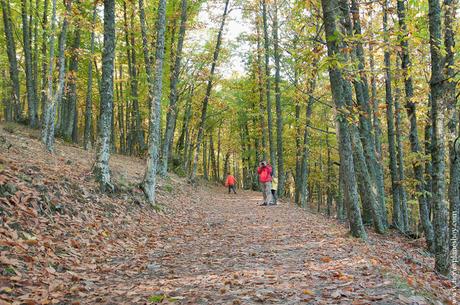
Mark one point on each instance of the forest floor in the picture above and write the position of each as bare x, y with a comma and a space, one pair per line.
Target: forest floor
64, 242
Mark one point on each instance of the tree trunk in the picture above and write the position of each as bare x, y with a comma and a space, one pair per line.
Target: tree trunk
329, 175
213, 158
137, 134
375, 168
219, 138
395, 182
155, 92
303, 192
438, 151
121, 115
298, 158
12, 60
35, 57
205, 159
101, 168
252, 166
428, 141
89, 88
450, 7
261, 92
413, 133
173, 96
279, 115
376, 124
226, 163
400, 156
267, 87
341, 209
6, 101
71, 99
346, 156
54, 98
44, 62
208, 92
366, 165
32, 111
49, 111
181, 145
368, 191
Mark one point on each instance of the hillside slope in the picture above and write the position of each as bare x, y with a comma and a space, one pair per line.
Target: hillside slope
64, 242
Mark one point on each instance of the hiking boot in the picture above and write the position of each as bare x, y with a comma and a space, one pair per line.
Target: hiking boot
263, 204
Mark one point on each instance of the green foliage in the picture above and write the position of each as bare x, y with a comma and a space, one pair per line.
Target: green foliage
160, 298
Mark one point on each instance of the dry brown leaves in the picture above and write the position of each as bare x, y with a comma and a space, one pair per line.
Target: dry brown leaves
63, 242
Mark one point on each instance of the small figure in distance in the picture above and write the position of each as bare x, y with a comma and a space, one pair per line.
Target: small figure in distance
265, 178
231, 183
274, 189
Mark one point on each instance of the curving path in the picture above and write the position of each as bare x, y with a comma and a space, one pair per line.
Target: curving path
225, 249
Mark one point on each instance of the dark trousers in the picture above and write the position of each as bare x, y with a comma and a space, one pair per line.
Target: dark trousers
230, 188
274, 196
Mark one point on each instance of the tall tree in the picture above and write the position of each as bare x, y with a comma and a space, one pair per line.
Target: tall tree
400, 157
30, 88
12, 60
137, 133
271, 140
44, 62
204, 108
368, 169
360, 84
173, 95
101, 167
413, 134
395, 182
438, 148
71, 99
345, 147
303, 178
260, 85
36, 18
89, 89
53, 97
450, 7
155, 91
279, 115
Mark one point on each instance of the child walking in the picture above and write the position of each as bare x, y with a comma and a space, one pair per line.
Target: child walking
231, 183
274, 189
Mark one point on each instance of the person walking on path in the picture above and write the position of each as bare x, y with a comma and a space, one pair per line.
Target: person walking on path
274, 188
265, 178
231, 183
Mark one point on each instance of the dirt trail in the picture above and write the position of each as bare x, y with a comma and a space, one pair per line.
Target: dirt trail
224, 249
64, 242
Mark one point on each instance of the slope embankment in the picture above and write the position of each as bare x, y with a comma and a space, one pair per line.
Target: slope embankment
64, 242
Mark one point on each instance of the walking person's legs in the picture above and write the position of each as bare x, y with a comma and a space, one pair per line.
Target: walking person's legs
229, 189
234, 189
274, 196
264, 194
268, 192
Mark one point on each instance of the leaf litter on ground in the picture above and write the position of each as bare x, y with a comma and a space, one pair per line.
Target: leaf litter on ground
64, 242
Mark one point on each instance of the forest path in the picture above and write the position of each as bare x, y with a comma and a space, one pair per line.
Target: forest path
224, 249
80, 246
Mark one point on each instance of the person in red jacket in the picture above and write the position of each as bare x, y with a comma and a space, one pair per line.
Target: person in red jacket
265, 178
231, 183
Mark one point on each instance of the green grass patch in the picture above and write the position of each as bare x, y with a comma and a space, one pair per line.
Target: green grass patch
160, 298
9, 271
169, 188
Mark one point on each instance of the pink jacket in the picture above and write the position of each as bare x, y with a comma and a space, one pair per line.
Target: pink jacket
265, 173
